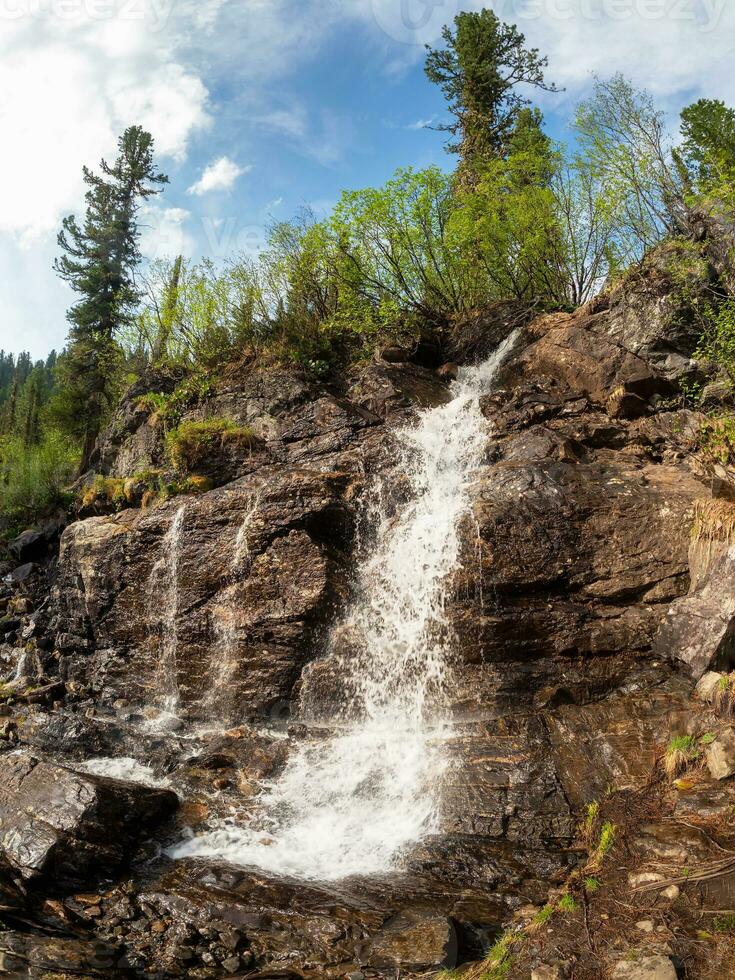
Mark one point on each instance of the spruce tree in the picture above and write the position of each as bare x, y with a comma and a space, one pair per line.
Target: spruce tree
99, 263
478, 70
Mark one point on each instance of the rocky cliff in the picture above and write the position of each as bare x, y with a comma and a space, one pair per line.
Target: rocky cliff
154, 669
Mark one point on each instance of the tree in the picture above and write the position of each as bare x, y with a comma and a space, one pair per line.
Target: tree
708, 148
99, 263
623, 138
478, 70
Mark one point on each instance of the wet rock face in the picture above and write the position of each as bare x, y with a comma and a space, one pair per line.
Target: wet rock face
70, 827
577, 604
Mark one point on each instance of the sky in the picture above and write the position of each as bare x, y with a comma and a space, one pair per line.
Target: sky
261, 107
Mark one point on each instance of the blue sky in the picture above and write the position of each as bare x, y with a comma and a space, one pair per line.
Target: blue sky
260, 107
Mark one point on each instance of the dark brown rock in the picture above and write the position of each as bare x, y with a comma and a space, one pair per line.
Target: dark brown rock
71, 826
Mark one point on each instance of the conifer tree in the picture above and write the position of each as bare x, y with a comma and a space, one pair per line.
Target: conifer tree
99, 263
478, 70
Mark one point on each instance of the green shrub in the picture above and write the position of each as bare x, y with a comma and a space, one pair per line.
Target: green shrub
33, 478
190, 443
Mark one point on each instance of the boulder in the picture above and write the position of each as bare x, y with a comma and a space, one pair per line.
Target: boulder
720, 755
646, 968
699, 629
414, 940
32, 955
71, 826
708, 685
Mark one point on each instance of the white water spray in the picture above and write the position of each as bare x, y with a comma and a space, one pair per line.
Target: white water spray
354, 803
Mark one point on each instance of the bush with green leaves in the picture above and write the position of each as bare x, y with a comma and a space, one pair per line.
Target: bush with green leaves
33, 478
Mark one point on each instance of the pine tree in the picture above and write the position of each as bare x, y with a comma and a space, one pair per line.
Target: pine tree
99, 263
478, 70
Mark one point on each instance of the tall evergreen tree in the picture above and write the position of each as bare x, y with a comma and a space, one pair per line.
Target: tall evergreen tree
99, 263
478, 70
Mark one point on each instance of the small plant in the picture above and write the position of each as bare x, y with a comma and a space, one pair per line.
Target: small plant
500, 958
724, 923
724, 696
680, 753
605, 844
588, 827
544, 915
189, 443
567, 903
592, 885
707, 739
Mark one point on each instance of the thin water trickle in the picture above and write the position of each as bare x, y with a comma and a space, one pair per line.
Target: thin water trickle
163, 606
353, 803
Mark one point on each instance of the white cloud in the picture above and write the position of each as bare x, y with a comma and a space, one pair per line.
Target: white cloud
163, 231
220, 175
69, 86
421, 123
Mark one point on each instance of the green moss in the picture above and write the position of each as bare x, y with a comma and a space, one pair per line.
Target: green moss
592, 885
190, 443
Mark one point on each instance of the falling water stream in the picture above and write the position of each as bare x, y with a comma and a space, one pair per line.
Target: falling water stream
163, 603
352, 803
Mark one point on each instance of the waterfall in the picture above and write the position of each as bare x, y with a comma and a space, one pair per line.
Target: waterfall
225, 660
163, 605
353, 803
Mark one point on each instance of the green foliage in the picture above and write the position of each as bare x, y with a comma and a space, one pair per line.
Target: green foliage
99, 261
478, 70
544, 915
716, 438
499, 960
567, 903
590, 819
681, 751
623, 139
592, 885
33, 477
169, 408
724, 923
605, 843
717, 343
708, 148
189, 444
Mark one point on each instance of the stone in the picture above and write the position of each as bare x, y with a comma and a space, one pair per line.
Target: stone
547, 972
30, 954
448, 372
645, 925
720, 755
645, 968
708, 685
623, 404
231, 964
70, 826
644, 878
20, 574
671, 893
700, 628
395, 355
414, 941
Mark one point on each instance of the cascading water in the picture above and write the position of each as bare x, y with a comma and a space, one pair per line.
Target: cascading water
352, 804
163, 604
225, 661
